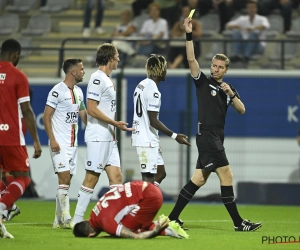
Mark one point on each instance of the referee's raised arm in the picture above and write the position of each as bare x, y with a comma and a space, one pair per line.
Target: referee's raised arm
193, 64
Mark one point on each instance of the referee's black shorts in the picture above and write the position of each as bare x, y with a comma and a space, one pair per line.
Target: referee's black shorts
211, 152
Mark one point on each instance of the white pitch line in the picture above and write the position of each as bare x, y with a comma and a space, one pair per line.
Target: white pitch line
187, 221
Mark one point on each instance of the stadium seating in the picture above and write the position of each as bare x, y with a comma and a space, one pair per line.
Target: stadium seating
210, 24
26, 45
9, 23
22, 5
55, 6
276, 23
38, 25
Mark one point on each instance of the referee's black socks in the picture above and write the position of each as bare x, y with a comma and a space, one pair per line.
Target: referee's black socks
229, 202
185, 195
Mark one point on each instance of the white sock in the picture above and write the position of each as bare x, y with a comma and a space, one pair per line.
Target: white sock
57, 211
84, 196
64, 202
2, 208
156, 183
169, 232
115, 185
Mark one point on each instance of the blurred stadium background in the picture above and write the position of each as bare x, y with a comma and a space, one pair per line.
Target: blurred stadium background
261, 145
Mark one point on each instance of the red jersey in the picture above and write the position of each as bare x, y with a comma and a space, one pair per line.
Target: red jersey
14, 89
114, 205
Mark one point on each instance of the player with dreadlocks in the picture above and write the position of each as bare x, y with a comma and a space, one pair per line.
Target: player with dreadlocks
147, 101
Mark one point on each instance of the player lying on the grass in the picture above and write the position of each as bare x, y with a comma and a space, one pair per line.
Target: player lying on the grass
128, 211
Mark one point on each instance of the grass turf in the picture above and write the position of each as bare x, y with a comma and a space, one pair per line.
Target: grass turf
210, 228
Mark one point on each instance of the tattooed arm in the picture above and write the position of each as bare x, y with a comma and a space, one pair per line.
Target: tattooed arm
127, 233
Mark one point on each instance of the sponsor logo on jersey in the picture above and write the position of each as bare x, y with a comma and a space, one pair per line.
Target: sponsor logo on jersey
213, 92
96, 81
68, 99
100, 166
152, 105
55, 94
72, 117
113, 106
4, 127
2, 77
156, 95
140, 86
93, 93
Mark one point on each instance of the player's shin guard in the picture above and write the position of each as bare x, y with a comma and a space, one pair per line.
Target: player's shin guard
15, 190
84, 196
229, 202
64, 202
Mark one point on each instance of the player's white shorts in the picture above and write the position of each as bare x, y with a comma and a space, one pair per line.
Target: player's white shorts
101, 154
65, 159
149, 159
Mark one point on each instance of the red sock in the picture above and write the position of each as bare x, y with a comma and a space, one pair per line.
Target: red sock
15, 190
9, 179
2, 186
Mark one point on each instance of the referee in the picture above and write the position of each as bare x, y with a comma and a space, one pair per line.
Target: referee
214, 97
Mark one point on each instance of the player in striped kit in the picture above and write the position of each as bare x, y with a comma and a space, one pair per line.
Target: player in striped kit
102, 151
65, 103
147, 101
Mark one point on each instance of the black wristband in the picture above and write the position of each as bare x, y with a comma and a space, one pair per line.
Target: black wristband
189, 36
232, 97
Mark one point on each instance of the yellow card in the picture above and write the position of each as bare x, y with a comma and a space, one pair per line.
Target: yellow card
191, 13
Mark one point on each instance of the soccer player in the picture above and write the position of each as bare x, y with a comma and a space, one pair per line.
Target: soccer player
127, 211
102, 151
14, 103
65, 103
147, 101
214, 97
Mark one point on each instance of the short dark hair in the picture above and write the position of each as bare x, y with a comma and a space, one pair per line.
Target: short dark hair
251, 2
222, 57
10, 46
69, 63
81, 229
105, 53
156, 65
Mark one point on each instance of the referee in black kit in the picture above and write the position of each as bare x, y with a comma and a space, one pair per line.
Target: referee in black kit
213, 97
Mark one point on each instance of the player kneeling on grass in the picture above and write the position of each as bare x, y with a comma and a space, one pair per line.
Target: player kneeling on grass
128, 211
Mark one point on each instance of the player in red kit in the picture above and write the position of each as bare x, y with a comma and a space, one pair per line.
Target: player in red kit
15, 104
128, 211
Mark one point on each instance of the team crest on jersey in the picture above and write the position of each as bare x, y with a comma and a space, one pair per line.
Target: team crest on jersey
113, 106
213, 92
2, 77
55, 94
96, 81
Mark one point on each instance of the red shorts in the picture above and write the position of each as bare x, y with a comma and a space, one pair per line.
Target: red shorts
149, 206
14, 158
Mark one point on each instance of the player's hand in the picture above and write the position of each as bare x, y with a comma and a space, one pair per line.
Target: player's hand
181, 139
37, 150
188, 25
123, 126
226, 88
54, 146
162, 223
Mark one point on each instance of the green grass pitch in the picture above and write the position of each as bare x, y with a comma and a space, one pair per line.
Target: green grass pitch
210, 228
